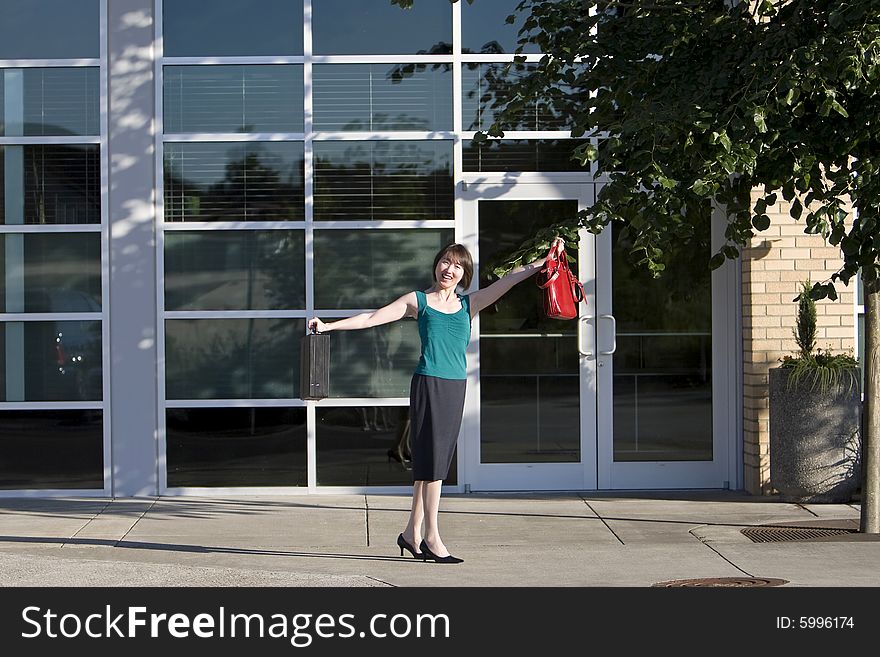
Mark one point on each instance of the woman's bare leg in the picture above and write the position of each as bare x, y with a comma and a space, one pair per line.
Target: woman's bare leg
413, 532
431, 495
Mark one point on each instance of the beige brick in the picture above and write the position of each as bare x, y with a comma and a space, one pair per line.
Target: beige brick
838, 332
811, 266
762, 299
797, 254
780, 311
827, 320
781, 265
786, 288
767, 345
766, 321
811, 242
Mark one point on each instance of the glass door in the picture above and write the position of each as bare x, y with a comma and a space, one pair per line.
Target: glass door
657, 427
531, 414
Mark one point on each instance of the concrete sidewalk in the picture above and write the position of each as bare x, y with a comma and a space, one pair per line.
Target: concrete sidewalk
572, 539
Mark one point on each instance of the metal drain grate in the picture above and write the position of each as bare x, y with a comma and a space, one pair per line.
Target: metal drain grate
772, 534
725, 581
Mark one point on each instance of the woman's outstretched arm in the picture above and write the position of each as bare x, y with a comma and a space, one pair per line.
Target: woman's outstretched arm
407, 305
487, 296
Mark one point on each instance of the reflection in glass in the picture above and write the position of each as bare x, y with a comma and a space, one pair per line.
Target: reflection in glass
487, 87
662, 366
236, 447
382, 96
232, 98
50, 361
365, 446
376, 362
49, 101
222, 181
232, 28
383, 180
232, 358
521, 155
529, 382
50, 184
364, 268
376, 27
50, 29
51, 449
484, 29
50, 272
235, 270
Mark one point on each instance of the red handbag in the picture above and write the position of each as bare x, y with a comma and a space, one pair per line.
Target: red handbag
562, 290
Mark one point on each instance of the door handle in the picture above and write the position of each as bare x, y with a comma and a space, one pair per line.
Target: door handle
613, 335
585, 354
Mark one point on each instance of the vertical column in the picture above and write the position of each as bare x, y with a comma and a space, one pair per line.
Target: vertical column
13, 195
131, 212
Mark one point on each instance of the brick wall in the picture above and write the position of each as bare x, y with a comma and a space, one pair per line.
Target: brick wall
772, 270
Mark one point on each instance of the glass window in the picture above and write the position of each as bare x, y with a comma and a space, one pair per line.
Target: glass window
663, 363
484, 28
368, 268
231, 98
235, 270
252, 181
50, 29
51, 449
365, 446
59, 184
376, 362
236, 446
382, 96
529, 381
49, 101
486, 87
521, 155
50, 273
232, 358
383, 180
50, 361
232, 28
376, 27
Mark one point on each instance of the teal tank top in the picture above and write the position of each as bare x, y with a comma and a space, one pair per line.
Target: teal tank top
445, 338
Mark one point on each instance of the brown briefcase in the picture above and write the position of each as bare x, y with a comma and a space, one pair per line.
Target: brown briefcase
314, 379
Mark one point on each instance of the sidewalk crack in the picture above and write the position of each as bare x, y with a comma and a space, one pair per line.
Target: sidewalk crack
137, 520
367, 518
87, 523
607, 526
708, 545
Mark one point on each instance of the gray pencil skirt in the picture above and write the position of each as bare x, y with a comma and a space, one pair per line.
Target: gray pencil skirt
435, 409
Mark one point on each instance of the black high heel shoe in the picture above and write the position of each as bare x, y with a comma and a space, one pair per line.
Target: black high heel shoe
403, 545
427, 554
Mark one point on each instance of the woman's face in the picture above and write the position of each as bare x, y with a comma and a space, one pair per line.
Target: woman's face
448, 273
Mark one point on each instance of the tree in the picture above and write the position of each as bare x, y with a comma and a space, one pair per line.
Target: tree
694, 103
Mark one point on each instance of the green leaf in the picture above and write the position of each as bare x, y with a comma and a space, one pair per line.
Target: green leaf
700, 187
796, 209
761, 222
849, 246
760, 119
717, 260
837, 107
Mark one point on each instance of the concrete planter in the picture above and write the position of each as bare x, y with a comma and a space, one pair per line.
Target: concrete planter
815, 441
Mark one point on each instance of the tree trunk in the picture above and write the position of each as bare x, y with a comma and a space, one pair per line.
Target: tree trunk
870, 514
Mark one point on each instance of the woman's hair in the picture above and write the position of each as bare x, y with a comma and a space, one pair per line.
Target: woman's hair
458, 254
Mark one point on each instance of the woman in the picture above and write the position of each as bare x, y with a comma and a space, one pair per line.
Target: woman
438, 384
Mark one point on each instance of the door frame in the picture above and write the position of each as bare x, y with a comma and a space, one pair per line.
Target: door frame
529, 476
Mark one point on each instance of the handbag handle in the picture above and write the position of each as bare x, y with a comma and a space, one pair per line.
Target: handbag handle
555, 257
